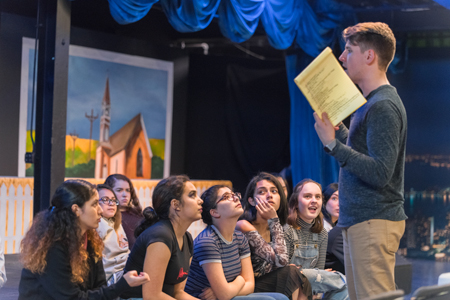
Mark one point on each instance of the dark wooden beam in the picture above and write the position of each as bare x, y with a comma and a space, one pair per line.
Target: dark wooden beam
51, 99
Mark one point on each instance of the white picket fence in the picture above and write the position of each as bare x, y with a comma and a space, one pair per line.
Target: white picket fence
16, 206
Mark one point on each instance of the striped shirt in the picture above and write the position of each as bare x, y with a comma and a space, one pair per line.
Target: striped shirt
211, 247
305, 237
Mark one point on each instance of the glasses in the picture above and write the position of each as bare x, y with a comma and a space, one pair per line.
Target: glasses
230, 197
109, 201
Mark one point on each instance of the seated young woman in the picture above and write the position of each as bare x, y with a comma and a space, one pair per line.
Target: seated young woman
129, 205
306, 241
221, 267
115, 251
330, 209
163, 246
265, 212
62, 252
283, 182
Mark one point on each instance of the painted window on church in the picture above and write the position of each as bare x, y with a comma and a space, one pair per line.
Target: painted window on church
139, 164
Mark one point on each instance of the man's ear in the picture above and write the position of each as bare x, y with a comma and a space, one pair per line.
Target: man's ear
76, 209
370, 56
251, 201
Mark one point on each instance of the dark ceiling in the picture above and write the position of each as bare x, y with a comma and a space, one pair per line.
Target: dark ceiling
403, 16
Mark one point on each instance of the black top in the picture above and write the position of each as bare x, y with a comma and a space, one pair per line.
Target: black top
335, 250
178, 267
129, 223
55, 282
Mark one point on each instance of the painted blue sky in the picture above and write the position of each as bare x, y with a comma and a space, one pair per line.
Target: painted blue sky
133, 90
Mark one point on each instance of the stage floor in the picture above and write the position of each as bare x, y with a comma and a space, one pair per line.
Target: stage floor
425, 272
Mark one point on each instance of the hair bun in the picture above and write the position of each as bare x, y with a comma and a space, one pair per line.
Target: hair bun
150, 218
149, 213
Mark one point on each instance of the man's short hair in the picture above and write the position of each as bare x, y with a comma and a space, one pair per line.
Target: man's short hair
377, 36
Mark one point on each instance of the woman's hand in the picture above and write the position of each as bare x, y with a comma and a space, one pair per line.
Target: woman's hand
266, 211
207, 294
133, 279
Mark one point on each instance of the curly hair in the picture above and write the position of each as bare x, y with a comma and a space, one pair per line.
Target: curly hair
60, 224
250, 210
134, 206
165, 191
293, 207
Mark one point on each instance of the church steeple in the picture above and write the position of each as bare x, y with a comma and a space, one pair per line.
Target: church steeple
106, 115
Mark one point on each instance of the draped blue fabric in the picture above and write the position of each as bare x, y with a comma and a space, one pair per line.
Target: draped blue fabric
284, 21
444, 3
281, 19
310, 25
308, 159
238, 19
125, 12
189, 15
316, 31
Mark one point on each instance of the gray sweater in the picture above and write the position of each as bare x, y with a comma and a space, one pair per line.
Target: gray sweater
371, 155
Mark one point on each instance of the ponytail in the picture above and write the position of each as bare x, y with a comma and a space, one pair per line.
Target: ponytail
165, 191
150, 218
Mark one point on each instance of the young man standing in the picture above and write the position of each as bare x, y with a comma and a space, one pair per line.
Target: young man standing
371, 154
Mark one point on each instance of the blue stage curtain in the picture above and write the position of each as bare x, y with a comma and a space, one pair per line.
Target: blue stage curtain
281, 19
313, 25
238, 19
308, 159
320, 26
190, 15
129, 11
444, 3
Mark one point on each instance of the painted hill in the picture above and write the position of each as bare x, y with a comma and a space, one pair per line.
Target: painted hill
81, 156
158, 147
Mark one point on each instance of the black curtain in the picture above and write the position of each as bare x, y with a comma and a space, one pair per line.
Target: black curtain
237, 118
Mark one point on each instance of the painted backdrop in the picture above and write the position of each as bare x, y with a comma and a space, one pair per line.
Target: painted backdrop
119, 114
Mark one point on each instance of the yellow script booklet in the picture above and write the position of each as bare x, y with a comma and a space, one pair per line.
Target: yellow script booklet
328, 88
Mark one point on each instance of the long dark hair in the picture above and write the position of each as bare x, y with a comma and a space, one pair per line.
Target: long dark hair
288, 187
165, 191
60, 224
118, 215
135, 206
209, 202
293, 207
327, 193
250, 210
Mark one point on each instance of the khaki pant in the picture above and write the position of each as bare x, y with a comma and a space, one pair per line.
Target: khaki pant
369, 252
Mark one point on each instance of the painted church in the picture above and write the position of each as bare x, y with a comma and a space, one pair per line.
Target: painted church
127, 151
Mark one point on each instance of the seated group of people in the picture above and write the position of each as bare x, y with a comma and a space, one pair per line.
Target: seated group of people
258, 246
